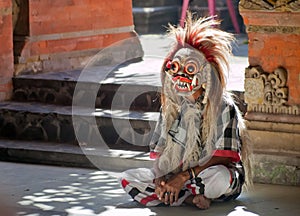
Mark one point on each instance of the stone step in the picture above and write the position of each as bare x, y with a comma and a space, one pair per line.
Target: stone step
152, 16
64, 154
132, 86
155, 19
274, 168
154, 3
117, 129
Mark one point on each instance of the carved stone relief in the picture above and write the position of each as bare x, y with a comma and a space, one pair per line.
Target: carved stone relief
274, 29
268, 92
275, 5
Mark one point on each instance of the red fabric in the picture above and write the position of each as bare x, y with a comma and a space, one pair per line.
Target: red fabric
235, 157
189, 186
124, 183
231, 179
144, 201
154, 155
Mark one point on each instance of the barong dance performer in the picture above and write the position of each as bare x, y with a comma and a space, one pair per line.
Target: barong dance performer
198, 142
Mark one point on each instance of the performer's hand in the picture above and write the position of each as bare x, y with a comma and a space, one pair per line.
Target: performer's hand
170, 190
159, 181
158, 186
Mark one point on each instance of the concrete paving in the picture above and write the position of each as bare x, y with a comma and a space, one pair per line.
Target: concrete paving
35, 190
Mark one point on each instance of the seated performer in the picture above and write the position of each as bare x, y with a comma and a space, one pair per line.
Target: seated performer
197, 143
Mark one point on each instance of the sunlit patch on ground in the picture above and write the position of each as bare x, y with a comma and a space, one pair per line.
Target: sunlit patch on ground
241, 211
81, 194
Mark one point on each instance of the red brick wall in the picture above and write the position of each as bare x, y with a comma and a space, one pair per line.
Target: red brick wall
6, 49
73, 44
61, 26
271, 49
59, 16
63, 17
72, 27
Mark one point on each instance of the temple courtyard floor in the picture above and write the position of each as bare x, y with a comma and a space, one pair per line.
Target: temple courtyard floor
38, 190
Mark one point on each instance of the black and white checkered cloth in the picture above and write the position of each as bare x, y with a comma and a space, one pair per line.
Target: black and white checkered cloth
227, 142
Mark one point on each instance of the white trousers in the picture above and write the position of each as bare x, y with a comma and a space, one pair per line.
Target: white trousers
139, 184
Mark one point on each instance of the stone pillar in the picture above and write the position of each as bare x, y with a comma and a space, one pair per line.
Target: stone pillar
6, 49
64, 34
272, 88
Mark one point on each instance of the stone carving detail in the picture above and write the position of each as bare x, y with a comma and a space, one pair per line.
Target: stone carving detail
268, 92
254, 5
274, 29
276, 5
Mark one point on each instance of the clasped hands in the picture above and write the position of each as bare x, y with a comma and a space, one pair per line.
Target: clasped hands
168, 190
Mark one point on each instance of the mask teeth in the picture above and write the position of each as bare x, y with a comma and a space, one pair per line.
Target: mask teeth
189, 86
174, 85
194, 82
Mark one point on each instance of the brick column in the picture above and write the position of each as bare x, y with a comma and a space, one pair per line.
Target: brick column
6, 49
272, 88
64, 34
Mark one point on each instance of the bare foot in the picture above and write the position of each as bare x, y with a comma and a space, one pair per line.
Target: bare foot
199, 201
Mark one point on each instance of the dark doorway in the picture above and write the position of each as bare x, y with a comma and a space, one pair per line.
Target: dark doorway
20, 26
